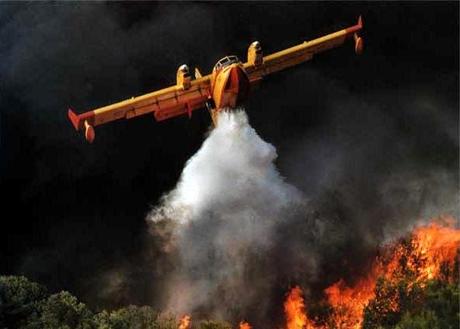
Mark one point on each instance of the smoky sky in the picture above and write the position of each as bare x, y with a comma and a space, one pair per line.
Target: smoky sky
369, 140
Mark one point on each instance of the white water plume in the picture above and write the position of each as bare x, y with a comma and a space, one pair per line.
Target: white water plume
225, 207
232, 174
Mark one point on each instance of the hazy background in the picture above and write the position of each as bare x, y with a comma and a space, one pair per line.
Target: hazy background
371, 141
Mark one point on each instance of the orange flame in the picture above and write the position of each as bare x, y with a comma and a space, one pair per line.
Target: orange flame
294, 309
349, 303
245, 325
185, 322
434, 246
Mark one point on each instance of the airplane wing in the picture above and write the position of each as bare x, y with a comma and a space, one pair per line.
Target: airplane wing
303, 52
165, 103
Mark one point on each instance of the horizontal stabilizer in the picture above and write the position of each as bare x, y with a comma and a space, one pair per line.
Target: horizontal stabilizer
73, 118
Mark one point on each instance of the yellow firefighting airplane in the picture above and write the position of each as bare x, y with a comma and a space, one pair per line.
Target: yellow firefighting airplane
225, 88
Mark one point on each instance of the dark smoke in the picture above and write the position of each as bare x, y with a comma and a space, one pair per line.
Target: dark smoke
370, 142
241, 236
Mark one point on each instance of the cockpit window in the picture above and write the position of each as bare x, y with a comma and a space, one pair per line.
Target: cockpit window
226, 61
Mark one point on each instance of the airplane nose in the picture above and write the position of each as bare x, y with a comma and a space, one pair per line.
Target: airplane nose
238, 82
232, 86
237, 78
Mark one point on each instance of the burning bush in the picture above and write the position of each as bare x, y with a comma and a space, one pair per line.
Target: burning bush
413, 279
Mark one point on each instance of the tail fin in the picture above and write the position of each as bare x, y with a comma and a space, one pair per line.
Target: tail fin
360, 21
358, 39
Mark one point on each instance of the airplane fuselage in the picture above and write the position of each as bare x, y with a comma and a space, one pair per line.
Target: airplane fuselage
229, 86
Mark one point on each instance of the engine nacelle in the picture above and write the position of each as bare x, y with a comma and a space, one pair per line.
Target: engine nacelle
184, 78
255, 54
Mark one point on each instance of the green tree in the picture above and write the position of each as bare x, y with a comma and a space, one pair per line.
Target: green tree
62, 311
19, 300
214, 325
423, 320
433, 305
134, 317
443, 299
